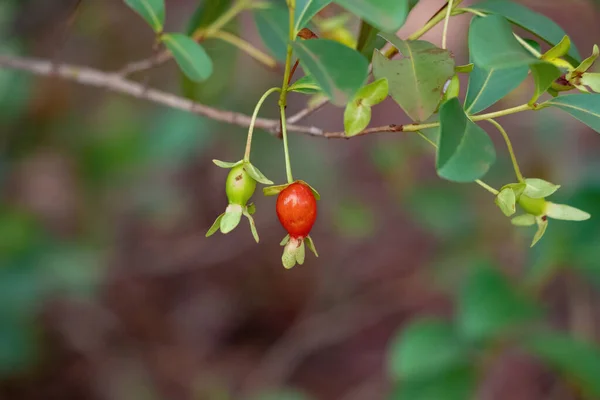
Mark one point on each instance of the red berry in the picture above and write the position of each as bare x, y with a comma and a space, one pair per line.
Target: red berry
297, 209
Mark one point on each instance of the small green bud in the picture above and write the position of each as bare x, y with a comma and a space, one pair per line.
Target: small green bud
239, 186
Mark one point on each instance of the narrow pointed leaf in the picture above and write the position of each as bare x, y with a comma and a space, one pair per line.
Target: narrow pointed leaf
231, 219
415, 81
465, 152
535, 23
327, 61
153, 12
588, 62
539, 188
189, 55
543, 75
311, 245
487, 87
585, 108
523, 220
306, 85
386, 15
256, 174
493, 45
215, 226
506, 201
566, 213
225, 164
368, 39
542, 225
273, 190
300, 253
465, 69
559, 50
252, 225
306, 10
285, 240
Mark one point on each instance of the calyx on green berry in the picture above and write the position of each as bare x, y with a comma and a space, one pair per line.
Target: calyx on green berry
297, 211
239, 188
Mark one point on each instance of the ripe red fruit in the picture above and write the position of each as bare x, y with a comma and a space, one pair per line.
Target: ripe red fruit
297, 210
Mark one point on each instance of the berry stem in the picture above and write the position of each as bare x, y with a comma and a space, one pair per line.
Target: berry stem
446, 23
253, 121
510, 149
284, 86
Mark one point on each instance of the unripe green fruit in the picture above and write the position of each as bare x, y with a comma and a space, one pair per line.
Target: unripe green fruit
531, 206
453, 88
239, 186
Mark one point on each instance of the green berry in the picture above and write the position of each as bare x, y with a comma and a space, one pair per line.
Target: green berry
531, 206
239, 186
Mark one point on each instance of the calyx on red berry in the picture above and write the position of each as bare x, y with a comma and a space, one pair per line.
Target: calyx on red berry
297, 211
239, 187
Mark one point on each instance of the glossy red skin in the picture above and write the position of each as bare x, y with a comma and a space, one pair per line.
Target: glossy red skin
297, 210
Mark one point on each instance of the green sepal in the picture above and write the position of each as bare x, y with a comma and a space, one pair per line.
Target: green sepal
273, 190
311, 245
542, 223
225, 164
305, 85
566, 213
231, 218
300, 253
215, 226
523, 220
507, 201
518, 188
464, 69
288, 258
256, 174
585, 64
285, 240
539, 188
252, 224
251, 208
561, 49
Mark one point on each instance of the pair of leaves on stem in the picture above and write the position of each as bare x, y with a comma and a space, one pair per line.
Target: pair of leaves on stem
358, 111
294, 250
530, 195
190, 56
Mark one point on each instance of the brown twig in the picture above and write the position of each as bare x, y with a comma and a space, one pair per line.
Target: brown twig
117, 83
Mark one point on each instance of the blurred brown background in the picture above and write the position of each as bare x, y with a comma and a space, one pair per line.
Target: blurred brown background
113, 292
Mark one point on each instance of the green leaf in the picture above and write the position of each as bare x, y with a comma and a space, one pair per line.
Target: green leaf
489, 305
517, 188
464, 69
215, 226
542, 224
425, 348
416, 81
544, 74
539, 188
368, 40
306, 10
558, 51
306, 85
225, 164
356, 117
231, 218
300, 253
507, 201
578, 360
373, 93
534, 45
493, 45
523, 220
256, 174
565, 212
206, 13
285, 240
465, 151
153, 12
486, 87
311, 245
584, 107
535, 23
457, 384
385, 15
189, 55
588, 62
252, 224
327, 61
273, 190
272, 24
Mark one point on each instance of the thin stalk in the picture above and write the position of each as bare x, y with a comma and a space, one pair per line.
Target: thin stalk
253, 121
223, 20
246, 47
446, 23
478, 181
284, 87
510, 149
